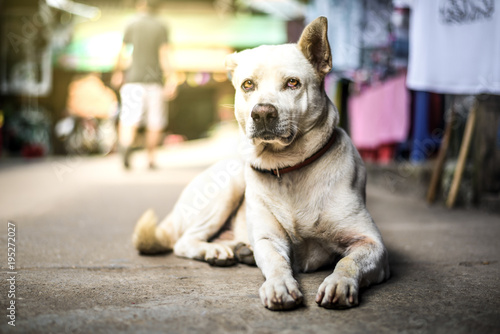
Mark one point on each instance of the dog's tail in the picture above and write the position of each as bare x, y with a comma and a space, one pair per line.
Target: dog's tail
145, 239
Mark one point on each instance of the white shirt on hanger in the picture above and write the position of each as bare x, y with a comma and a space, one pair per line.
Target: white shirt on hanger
455, 46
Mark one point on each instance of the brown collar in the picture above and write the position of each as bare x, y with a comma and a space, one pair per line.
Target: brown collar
280, 171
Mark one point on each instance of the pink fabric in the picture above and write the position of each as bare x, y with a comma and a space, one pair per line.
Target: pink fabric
380, 114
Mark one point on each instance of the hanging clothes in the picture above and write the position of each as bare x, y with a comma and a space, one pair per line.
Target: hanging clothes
455, 46
380, 114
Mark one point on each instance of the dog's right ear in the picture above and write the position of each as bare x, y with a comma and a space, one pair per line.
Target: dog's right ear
314, 45
231, 64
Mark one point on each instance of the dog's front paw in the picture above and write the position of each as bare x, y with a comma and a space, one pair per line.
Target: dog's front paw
338, 292
219, 255
280, 294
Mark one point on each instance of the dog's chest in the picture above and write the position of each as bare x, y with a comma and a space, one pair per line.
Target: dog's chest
306, 206
310, 232
311, 235
303, 210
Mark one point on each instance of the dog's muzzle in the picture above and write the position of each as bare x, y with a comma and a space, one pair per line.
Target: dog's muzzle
267, 126
265, 117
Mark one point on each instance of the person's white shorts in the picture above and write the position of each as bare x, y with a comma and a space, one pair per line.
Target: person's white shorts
143, 102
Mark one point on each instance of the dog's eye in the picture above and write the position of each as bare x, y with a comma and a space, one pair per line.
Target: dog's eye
293, 83
247, 85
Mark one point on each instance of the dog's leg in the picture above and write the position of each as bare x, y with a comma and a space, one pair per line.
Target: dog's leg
229, 247
194, 242
243, 250
235, 236
280, 291
203, 208
364, 262
214, 253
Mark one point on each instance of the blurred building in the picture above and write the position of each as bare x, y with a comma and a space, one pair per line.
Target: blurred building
48, 44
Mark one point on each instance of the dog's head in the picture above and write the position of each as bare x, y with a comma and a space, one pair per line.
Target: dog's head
279, 88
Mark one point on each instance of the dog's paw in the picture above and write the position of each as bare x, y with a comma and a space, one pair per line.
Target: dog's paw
280, 294
338, 292
219, 255
244, 254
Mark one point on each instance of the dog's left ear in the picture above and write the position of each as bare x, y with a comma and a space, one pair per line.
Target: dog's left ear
314, 45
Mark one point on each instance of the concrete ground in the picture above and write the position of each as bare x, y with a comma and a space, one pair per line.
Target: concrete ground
77, 271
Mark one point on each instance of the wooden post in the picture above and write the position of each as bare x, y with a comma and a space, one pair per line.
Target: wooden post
443, 150
462, 156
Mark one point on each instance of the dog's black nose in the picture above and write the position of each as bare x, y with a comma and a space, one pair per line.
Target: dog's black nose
264, 115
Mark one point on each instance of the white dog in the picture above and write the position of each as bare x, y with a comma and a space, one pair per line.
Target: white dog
300, 190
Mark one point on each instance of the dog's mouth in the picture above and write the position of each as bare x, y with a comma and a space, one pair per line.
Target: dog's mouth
272, 137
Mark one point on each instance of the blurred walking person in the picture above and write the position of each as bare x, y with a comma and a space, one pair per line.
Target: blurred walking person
143, 93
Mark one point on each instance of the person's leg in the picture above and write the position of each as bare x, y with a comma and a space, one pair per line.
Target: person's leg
126, 139
152, 140
156, 121
127, 134
132, 96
